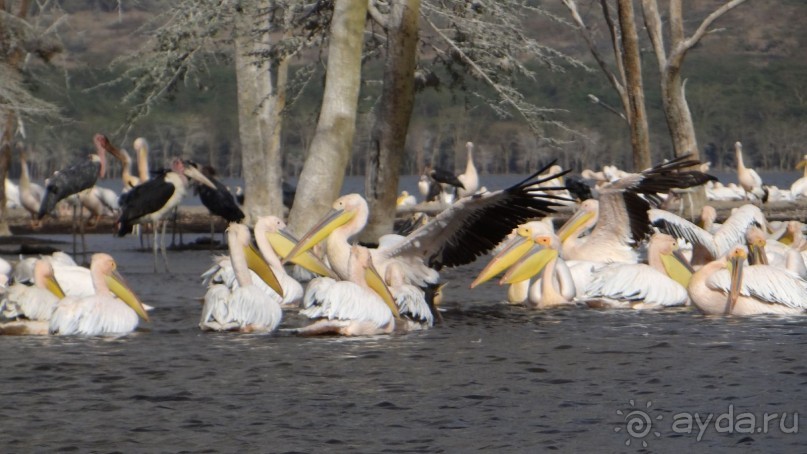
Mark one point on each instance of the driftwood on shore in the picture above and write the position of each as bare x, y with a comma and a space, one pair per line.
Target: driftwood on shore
196, 219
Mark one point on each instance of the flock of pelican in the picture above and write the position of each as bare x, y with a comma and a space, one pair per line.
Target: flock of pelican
619, 249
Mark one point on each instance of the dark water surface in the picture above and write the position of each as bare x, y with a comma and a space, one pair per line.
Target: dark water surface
493, 378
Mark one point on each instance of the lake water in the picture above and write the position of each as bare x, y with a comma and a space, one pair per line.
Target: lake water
492, 378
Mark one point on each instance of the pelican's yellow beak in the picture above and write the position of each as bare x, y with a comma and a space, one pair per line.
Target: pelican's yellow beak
801, 164
258, 265
512, 252
195, 174
756, 253
529, 266
574, 224
736, 263
53, 286
376, 282
117, 285
320, 231
677, 267
283, 242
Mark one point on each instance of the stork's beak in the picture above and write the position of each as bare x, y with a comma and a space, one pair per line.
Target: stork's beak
53, 286
376, 282
736, 263
677, 267
574, 224
120, 288
193, 173
283, 242
529, 266
258, 265
320, 231
512, 251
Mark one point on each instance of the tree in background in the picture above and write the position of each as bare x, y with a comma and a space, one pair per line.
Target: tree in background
25, 32
324, 169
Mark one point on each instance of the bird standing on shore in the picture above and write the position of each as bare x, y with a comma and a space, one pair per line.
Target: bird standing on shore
153, 200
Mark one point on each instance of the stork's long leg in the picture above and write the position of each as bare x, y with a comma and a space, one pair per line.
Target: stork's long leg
162, 249
154, 243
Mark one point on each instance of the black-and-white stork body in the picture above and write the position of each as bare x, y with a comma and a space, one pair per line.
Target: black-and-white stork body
75, 178
219, 200
153, 200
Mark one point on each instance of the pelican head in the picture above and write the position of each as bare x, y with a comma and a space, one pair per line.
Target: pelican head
238, 239
708, 216
343, 210
585, 217
44, 277
673, 262
105, 265
735, 260
360, 259
545, 251
282, 242
520, 243
756, 246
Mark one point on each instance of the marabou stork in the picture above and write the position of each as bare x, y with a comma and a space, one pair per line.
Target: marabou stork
219, 201
153, 200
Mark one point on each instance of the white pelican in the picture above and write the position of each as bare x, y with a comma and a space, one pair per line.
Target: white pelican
749, 179
30, 193
273, 242
556, 286
469, 179
727, 286
358, 306
152, 200
799, 187
245, 308
129, 180
662, 282
102, 313
708, 218
457, 236
623, 222
706, 246
34, 302
413, 307
141, 147
405, 200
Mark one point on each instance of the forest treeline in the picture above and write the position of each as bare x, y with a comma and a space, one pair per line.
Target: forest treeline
750, 94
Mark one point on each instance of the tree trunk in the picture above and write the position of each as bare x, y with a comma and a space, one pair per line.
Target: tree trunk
261, 99
324, 169
639, 135
388, 139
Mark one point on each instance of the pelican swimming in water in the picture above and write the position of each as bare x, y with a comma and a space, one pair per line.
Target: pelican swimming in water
101, 313
273, 242
457, 236
623, 222
245, 308
707, 246
556, 286
661, 282
727, 287
361, 305
34, 302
